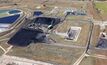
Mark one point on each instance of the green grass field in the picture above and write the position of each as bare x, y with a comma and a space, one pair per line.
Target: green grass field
102, 6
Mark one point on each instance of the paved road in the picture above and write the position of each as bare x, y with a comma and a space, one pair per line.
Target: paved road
8, 49
80, 59
2, 48
88, 42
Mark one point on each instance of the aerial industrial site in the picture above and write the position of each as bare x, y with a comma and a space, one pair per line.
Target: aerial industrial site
53, 32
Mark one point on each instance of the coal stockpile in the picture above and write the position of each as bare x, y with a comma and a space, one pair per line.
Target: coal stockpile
102, 43
37, 13
26, 36
31, 33
47, 21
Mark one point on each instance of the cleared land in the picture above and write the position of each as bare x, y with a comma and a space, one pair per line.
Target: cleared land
93, 61
100, 61
1, 52
64, 27
98, 51
88, 61
52, 54
95, 35
92, 11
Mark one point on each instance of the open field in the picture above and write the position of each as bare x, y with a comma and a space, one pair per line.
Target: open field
92, 11
102, 9
100, 61
52, 54
49, 3
64, 27
95, 35
93, 61
87, 61
66, 4
97, 10
98, 51
1, 52
54, 2
102, 6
